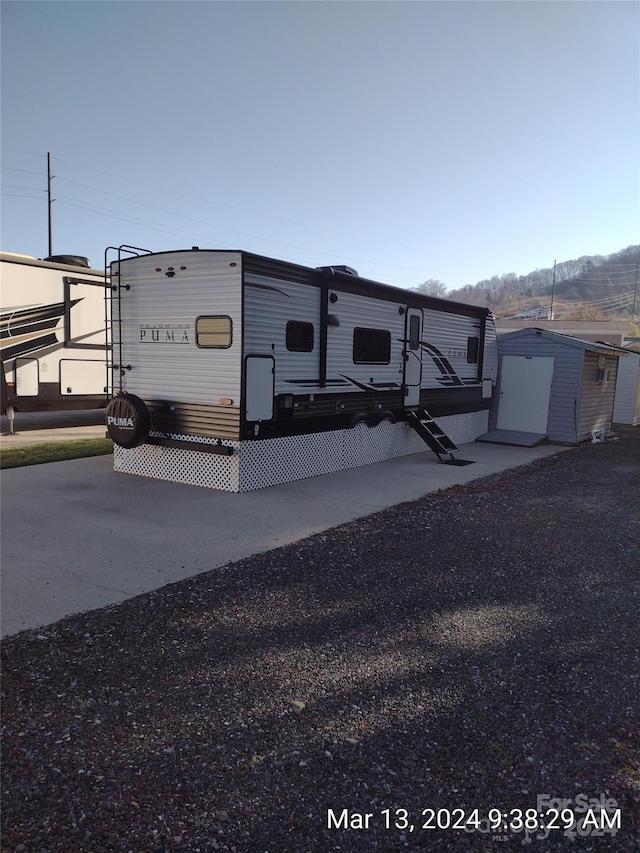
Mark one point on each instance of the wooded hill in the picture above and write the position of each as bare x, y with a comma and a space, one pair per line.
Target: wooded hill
587, 288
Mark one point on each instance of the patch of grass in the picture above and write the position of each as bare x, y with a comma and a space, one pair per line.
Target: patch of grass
54, 451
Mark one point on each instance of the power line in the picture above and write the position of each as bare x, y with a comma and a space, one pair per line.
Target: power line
16, 187
418, 270
243, 233
24, 171
17, 195
131, 219
167, 229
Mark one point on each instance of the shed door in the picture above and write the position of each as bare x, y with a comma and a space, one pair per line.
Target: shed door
259, 379
525, 390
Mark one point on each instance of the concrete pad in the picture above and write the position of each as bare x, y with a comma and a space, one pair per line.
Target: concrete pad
44, 436
24, 422
79, 536
511, 436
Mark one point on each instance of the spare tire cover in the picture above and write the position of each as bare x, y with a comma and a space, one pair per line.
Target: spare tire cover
128, 420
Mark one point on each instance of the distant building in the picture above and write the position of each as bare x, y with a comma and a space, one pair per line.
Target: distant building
612, 331
534, 312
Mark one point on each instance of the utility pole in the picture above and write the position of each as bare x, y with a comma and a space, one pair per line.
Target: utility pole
49, 202
635, 292
553, 284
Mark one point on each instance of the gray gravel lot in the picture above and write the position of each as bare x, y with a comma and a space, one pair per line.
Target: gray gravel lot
473, 650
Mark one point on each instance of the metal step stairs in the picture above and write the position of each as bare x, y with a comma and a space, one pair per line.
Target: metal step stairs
421, 421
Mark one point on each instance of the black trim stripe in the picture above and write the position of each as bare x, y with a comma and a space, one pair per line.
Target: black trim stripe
302, 415
30, 347
200, 447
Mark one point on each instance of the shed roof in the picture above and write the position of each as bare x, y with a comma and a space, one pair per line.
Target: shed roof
598, 347
619, 350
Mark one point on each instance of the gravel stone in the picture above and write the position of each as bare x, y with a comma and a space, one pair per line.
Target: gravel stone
475, 649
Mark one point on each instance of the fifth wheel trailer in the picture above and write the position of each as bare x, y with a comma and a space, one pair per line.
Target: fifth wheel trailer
54, 334
236, 371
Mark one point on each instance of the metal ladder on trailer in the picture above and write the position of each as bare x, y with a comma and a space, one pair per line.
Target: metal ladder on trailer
421, 421
112, 301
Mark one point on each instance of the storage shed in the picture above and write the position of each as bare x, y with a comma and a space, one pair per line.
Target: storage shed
552, 387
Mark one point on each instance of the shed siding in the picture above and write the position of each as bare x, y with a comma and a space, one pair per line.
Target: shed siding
627, 404
563, 406
597, 398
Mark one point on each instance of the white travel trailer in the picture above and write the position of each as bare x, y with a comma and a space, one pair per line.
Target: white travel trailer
53, 334
235, 371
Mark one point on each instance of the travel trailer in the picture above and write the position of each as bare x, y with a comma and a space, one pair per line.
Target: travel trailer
236, 371
54, 322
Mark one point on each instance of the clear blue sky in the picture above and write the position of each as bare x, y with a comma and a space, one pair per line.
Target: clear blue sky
412, 140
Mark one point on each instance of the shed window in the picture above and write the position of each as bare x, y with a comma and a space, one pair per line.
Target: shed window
215, 332
473, 348
299, 336
371, 346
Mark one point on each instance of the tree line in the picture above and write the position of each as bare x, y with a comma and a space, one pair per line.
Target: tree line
589, 278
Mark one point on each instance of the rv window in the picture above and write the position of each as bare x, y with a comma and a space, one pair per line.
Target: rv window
472, 350
214, 332
414, 332
299, 336
371, 346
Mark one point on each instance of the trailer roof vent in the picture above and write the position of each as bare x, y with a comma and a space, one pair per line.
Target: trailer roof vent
70, 260
340, 268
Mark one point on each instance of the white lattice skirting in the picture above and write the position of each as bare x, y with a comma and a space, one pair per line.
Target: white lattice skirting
257, 464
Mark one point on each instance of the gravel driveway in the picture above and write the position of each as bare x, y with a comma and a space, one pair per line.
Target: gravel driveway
475, 650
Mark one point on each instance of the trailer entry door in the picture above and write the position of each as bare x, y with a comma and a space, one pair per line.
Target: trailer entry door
413, 357
259, 379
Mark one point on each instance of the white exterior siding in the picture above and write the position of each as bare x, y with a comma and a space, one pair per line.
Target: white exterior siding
158, 328
449, 334
269, 304
355, 311
490, 359
627, 403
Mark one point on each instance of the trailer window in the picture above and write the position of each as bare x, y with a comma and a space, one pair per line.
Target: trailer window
414, 332
299, 336
371, 346
214, 332
473, 345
